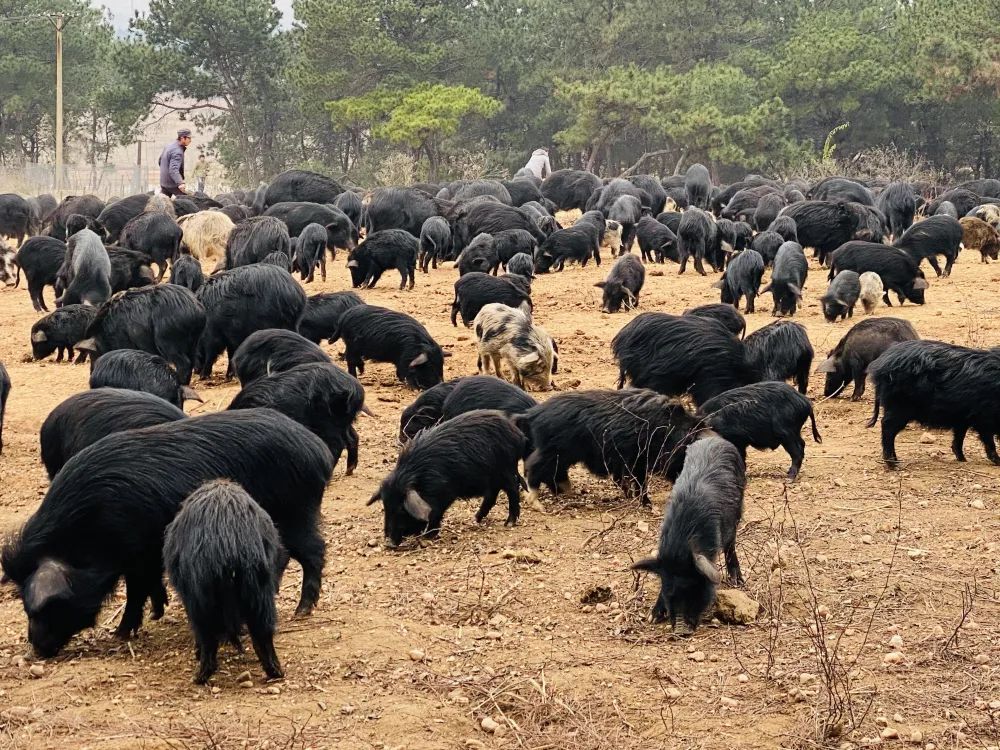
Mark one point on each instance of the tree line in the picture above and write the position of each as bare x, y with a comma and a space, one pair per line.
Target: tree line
374, 89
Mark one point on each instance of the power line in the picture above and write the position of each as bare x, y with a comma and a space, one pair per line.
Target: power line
40, 16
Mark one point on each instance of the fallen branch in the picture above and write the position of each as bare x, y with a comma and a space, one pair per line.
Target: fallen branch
642, 160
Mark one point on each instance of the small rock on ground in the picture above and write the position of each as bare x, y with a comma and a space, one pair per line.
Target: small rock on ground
735, 607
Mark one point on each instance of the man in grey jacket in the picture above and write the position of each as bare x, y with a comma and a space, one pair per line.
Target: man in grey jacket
172, 164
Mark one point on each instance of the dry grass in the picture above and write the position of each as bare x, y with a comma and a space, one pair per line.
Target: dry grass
536, 715
879, 164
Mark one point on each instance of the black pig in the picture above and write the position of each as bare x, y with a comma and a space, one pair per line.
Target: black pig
224, 558
701, 520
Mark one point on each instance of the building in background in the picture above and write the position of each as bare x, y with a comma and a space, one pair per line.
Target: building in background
130, 169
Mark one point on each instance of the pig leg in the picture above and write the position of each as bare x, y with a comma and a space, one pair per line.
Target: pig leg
733, 564
699, 264
489, 500
513, 492
136, 593
958, 442
796, 448
859, 386
949, 262
352, 441
991, 449
540, 468
434, 523
307, 547
802, 377
158, 599
659, 612
207, 649
354, 362
891, 426
263, 646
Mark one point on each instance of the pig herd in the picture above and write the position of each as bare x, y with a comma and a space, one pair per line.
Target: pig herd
223, 501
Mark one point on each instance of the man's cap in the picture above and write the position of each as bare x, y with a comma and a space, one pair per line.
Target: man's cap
184, 133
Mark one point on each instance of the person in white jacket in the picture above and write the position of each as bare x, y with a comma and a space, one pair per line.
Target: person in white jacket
539, 163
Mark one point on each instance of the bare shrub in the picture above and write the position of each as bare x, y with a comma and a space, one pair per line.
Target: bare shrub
396, 168
878, 164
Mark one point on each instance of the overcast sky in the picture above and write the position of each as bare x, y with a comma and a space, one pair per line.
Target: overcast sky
121, 10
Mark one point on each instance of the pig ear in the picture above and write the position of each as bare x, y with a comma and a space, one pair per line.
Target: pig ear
445, 353
827, 365
795, 290
420, 359
376, 496
87, 345
765, 290
352, 263
650, 565
920, 284
601, 284
416, 506
529, 358
38, 337
48, 582
190, 394
719, 284
841, 302
707, 568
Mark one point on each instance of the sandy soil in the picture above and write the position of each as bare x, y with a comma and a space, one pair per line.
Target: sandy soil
414, 649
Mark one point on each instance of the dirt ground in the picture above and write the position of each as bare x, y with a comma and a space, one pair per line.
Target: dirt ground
878, 589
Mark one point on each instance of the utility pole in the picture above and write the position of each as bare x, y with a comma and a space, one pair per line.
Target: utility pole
59, 21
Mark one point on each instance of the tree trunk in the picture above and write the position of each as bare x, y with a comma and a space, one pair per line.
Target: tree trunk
642, 160
680, 161
432, 162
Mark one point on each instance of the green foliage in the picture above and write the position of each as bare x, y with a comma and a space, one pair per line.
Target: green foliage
363, 111
828, 145
431, 112
421, 117
711, 112
228, 56
738, 85
93, 107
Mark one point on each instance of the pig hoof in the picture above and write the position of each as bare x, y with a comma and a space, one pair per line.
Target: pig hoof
124, 632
